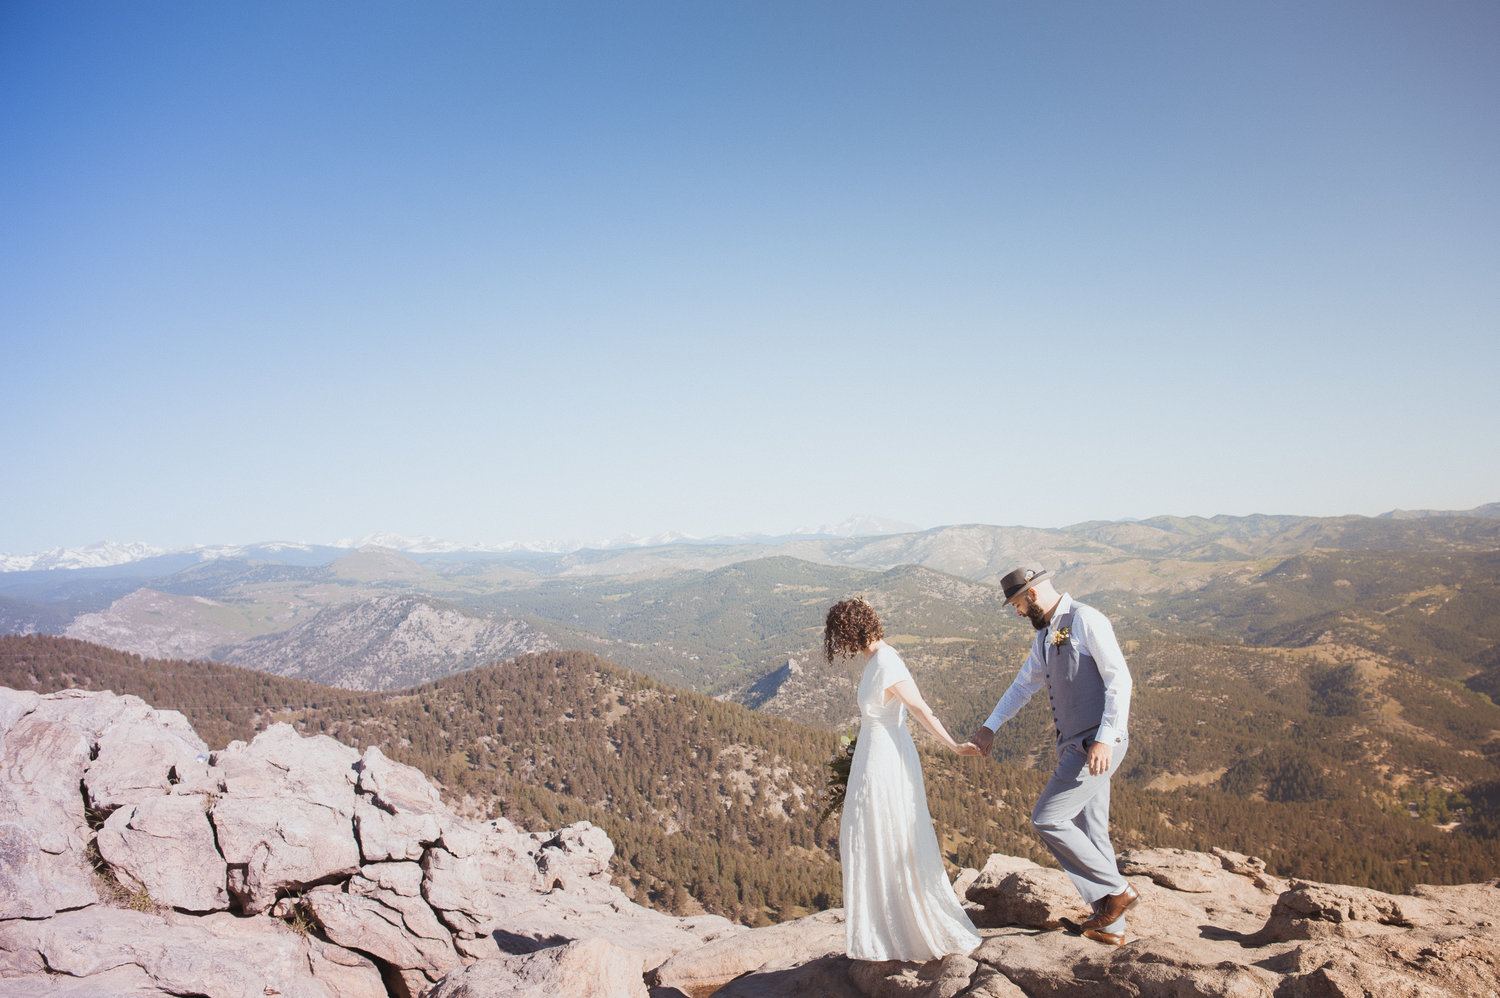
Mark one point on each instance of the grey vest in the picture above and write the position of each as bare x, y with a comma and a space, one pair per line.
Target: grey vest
1074, 687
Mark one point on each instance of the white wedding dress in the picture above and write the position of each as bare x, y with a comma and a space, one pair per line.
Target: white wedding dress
898, 903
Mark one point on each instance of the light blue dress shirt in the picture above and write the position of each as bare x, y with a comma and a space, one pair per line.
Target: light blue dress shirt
1094, 636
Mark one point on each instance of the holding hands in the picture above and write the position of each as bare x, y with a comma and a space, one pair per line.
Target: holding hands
981, 740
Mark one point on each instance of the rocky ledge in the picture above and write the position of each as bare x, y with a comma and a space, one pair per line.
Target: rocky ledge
134, 861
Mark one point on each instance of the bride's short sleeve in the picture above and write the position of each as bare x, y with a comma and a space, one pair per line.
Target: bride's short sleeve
889, 670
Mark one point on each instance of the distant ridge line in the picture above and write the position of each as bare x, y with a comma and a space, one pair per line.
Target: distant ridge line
111, 554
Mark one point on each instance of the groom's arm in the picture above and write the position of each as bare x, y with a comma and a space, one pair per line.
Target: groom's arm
1027, 682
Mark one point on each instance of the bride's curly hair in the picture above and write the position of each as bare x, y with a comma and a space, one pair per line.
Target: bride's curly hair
851, 627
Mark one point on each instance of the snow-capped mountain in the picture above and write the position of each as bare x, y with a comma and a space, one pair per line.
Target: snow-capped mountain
422, 544
100, 555
426, 544
864, 525
109, 554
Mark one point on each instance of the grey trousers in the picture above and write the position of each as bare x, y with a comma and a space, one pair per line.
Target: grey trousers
1072, 817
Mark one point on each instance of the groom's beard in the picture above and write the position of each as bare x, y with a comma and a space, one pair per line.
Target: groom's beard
1037, 616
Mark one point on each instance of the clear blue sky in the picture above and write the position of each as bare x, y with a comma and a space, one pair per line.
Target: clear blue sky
528, 271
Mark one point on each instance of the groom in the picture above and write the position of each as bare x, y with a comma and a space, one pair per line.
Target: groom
1076, 657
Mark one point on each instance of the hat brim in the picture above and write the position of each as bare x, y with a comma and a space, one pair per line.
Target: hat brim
1027, 587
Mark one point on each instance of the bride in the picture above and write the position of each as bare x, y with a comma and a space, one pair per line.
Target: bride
898, 903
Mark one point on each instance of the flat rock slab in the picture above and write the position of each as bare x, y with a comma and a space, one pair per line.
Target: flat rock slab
218, 955
525, 921
701, 970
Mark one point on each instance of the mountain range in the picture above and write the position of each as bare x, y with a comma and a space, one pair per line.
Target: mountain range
1338, 672
717, 617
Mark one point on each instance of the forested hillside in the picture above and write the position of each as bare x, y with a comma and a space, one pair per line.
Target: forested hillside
711, 804
223, 702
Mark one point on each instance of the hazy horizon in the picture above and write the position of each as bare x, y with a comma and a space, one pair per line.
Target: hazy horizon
577, 542
526, 272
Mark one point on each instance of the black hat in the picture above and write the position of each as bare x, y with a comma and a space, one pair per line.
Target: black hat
1017, 582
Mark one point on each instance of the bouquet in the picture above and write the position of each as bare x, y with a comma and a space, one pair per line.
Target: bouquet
838, 778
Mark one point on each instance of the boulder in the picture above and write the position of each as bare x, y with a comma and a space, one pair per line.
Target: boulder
280, 762
1185, 967
398, 813
578, 852
456, 890
1419, 966
506, 856
464, 839
14, 705
40, 775
275, 844
1175, 869
36, 883
45, 744
141, 753
165, 846
381, 912
1014, 891
526, 920
990, 983
285, 819
396, 788
824, 977
590, 968
1049, 964
1310, 910
963, 881
1251, 867
88, 711
384, 836
943, 978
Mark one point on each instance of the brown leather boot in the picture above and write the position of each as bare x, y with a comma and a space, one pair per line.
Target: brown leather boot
1108, 938
1111, 908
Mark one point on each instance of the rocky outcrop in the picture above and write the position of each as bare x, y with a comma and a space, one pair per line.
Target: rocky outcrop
134, 862
141, 953
1210, 925
384, 643
764, 689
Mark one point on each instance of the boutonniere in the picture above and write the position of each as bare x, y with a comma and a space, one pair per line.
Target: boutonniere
1060, 636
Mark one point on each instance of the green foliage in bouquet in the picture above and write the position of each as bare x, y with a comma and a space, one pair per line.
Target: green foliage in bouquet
838, 778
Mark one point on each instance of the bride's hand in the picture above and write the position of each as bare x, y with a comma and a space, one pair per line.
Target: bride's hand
969, 748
